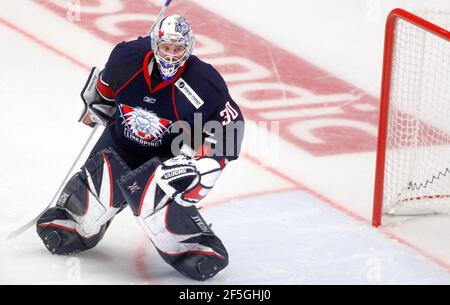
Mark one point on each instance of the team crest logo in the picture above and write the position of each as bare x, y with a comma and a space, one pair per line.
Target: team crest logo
143, 126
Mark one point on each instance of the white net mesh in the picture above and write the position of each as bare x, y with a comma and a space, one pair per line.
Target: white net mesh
417, 168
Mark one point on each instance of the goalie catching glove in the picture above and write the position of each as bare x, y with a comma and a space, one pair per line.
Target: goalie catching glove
187, 180
97, 110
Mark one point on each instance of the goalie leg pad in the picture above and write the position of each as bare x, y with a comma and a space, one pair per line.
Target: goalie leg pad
141, 191
185, 241
63, 239
180, 234
86, 206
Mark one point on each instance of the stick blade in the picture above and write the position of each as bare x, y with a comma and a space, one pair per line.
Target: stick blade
22, 229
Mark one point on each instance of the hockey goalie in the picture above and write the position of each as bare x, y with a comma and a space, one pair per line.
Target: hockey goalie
151, 92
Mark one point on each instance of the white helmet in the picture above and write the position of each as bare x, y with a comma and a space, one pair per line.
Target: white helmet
172, 42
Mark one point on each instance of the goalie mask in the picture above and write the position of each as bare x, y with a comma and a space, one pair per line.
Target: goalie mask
172, 42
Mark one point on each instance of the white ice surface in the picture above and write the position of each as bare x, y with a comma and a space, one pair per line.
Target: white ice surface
293, 238
289, 238
343, 37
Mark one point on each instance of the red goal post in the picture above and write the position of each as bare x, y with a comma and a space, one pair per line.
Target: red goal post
393, 43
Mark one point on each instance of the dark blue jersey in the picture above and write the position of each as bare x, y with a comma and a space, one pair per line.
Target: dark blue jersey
150, 111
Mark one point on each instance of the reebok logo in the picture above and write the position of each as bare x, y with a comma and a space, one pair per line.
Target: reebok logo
149, 100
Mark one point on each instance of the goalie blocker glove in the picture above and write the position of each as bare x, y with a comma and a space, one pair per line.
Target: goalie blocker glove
187, 180
97, 108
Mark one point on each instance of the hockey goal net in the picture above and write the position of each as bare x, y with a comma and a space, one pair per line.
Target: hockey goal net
413, 153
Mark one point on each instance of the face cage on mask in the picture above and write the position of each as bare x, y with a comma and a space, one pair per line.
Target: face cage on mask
169, 69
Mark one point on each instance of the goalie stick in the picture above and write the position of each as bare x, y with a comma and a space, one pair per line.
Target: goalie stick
30, 223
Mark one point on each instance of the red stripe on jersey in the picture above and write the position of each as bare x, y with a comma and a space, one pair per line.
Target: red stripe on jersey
163, 84
128, 81
105, 91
